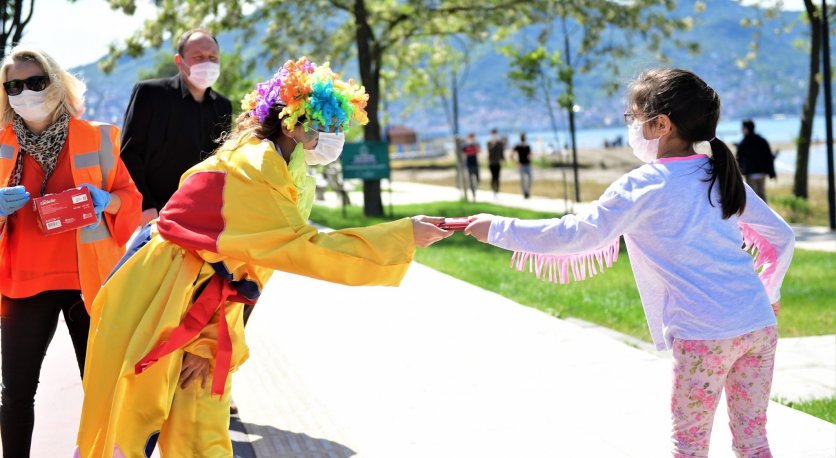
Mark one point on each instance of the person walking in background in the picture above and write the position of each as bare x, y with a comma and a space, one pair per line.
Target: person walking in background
683, 217
523, 152
471, 155
496, 154
755, 158
44, 149
173, 123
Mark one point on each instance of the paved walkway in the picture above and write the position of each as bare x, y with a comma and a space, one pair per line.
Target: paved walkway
440, 368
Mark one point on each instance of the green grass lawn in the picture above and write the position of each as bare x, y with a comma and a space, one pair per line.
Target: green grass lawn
609, 299
820, 408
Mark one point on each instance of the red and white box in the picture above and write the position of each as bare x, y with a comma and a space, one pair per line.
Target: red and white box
64, 211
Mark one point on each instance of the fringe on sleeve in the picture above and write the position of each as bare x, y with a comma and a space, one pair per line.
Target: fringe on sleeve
557, 268
764, 253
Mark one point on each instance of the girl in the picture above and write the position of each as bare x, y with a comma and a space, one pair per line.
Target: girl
171, 314
684, 217
44, 149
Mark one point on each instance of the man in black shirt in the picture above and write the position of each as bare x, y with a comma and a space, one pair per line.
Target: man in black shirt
173, 123
496, 154
523, 152
755, 159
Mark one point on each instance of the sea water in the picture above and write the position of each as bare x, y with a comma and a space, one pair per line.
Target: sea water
777, 130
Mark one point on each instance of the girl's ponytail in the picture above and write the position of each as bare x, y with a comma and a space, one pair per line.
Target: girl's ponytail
725, 171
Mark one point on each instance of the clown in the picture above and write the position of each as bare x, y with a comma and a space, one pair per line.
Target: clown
171, 313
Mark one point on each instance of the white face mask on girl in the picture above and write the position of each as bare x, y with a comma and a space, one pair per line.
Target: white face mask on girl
204, 75
644, 149
32, 106
327, 149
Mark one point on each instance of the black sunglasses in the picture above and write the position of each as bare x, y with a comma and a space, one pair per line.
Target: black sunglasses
34, 83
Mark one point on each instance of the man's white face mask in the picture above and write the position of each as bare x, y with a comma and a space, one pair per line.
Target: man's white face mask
204, 75
644, 149
32, 106
327, 149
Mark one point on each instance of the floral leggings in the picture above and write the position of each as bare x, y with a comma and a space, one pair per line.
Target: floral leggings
743, 365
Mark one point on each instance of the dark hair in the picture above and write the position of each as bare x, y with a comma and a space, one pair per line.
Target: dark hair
493, 131
181, 43
694, 108
248, 125
522, 137
749, 125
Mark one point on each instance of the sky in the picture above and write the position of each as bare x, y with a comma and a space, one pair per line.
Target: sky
73, 44
86, 37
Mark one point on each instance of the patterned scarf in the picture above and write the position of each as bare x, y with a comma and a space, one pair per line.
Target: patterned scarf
43, 148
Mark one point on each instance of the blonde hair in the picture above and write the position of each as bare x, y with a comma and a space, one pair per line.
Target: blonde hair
63, 87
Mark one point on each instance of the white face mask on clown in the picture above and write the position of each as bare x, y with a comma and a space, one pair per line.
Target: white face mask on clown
644, 149
327, 149
32, 106
204, 75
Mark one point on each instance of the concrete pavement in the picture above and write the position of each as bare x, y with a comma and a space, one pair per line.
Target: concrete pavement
440, 368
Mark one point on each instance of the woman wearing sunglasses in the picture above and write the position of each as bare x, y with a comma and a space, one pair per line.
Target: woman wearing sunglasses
44, 149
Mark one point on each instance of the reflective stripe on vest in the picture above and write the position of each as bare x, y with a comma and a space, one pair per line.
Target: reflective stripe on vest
7, 152
103, 158
105, 161
94, 234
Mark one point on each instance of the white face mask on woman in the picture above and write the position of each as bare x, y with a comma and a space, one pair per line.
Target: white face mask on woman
644, 149
327, 149
32, 106
204, 75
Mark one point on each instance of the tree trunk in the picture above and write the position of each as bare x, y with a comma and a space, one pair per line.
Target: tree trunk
4, 34
805, 133
570, 88
369, 60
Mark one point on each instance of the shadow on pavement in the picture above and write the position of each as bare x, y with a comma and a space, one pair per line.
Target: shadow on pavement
241, 447
275, 443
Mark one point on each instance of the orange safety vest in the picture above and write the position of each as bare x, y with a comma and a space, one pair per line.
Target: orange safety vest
94, 152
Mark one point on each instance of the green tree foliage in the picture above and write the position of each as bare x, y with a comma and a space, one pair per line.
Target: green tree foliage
14, 17
811, 19
578, 37
330, 30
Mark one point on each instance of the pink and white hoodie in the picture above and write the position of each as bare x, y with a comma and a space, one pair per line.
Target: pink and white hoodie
695, 276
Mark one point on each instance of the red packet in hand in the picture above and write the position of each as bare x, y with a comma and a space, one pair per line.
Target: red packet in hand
64, 211
454, 224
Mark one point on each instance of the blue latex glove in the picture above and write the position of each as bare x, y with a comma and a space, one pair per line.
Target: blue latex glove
101, 199
12, 199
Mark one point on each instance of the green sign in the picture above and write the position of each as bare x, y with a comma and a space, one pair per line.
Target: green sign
366, 160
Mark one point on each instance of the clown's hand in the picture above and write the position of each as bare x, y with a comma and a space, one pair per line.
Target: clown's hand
194, 368
426, 231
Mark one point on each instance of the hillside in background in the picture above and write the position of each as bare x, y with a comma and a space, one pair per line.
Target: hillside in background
772, 84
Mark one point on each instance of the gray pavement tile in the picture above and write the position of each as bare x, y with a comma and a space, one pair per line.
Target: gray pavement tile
389, 374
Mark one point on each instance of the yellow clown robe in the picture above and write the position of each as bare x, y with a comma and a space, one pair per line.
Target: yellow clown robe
235, 218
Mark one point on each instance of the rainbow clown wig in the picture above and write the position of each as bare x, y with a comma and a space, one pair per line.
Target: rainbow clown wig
315, 92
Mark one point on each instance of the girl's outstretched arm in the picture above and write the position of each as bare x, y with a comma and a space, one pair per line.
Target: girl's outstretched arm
613, 214
580, 245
